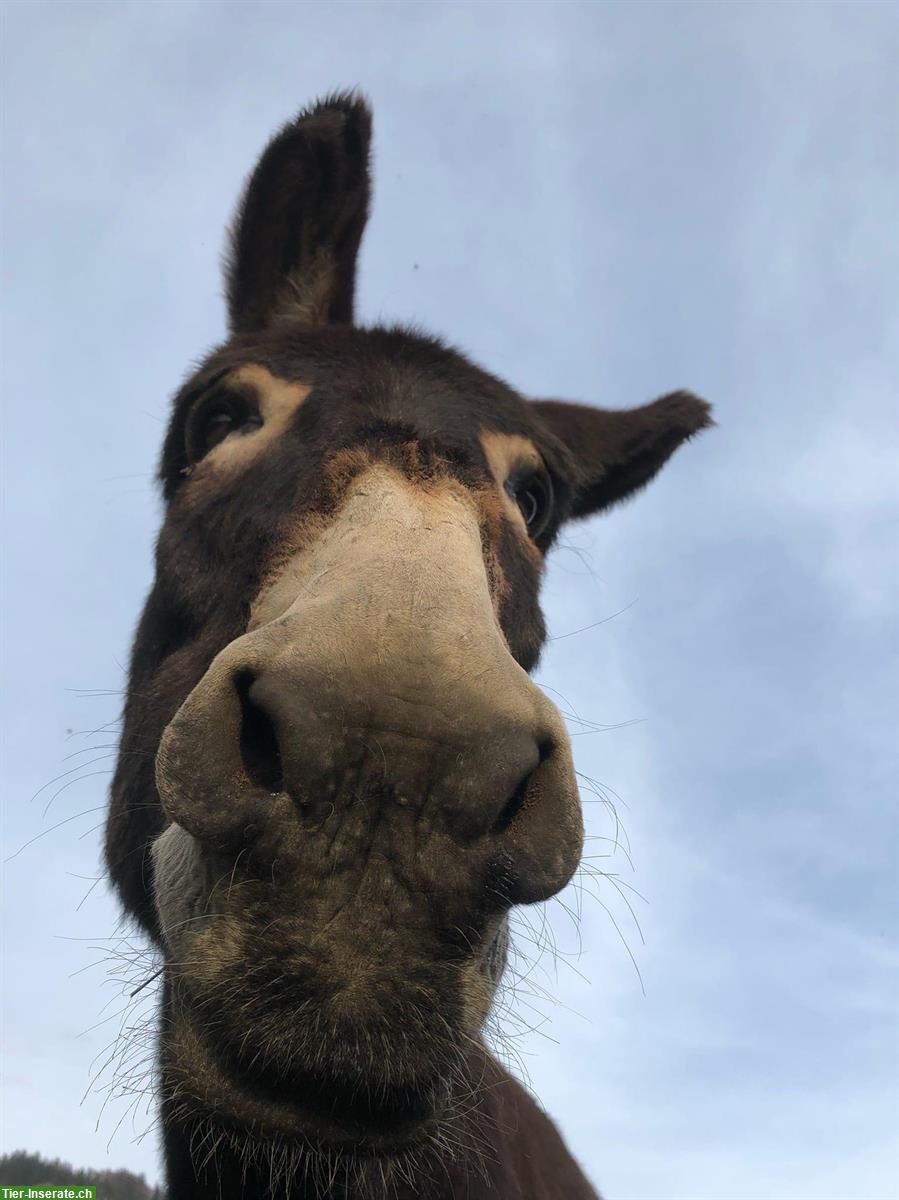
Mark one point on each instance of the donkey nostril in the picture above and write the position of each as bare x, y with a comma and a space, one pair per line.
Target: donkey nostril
545, 747
514, 804
258, 740
512, 807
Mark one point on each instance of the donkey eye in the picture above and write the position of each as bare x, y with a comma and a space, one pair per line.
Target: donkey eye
216, 420
217, 426
533, 495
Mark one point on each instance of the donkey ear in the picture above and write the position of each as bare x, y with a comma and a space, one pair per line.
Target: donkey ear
616, 452
297, 229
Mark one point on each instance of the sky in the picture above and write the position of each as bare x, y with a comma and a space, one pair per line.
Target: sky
600, 202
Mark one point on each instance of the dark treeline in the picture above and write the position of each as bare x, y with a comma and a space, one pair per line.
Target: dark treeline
35, 1171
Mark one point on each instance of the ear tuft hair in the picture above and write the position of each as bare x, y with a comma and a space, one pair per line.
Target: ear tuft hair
297, 230
618, 451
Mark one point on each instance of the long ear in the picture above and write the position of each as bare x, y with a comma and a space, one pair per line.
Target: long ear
297, 229
618, 451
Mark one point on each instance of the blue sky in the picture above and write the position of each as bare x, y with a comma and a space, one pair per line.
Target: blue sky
596, 201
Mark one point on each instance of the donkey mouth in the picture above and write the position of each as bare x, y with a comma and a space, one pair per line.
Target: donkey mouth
294, 1027
298, 1101
211, 1087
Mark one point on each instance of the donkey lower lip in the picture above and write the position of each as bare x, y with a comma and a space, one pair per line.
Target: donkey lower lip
195, 1069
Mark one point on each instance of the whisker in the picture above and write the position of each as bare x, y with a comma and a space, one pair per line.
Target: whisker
604, 621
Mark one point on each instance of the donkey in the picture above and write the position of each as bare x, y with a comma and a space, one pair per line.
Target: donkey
336, 776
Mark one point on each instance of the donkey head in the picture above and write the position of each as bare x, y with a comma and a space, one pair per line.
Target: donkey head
336, 776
